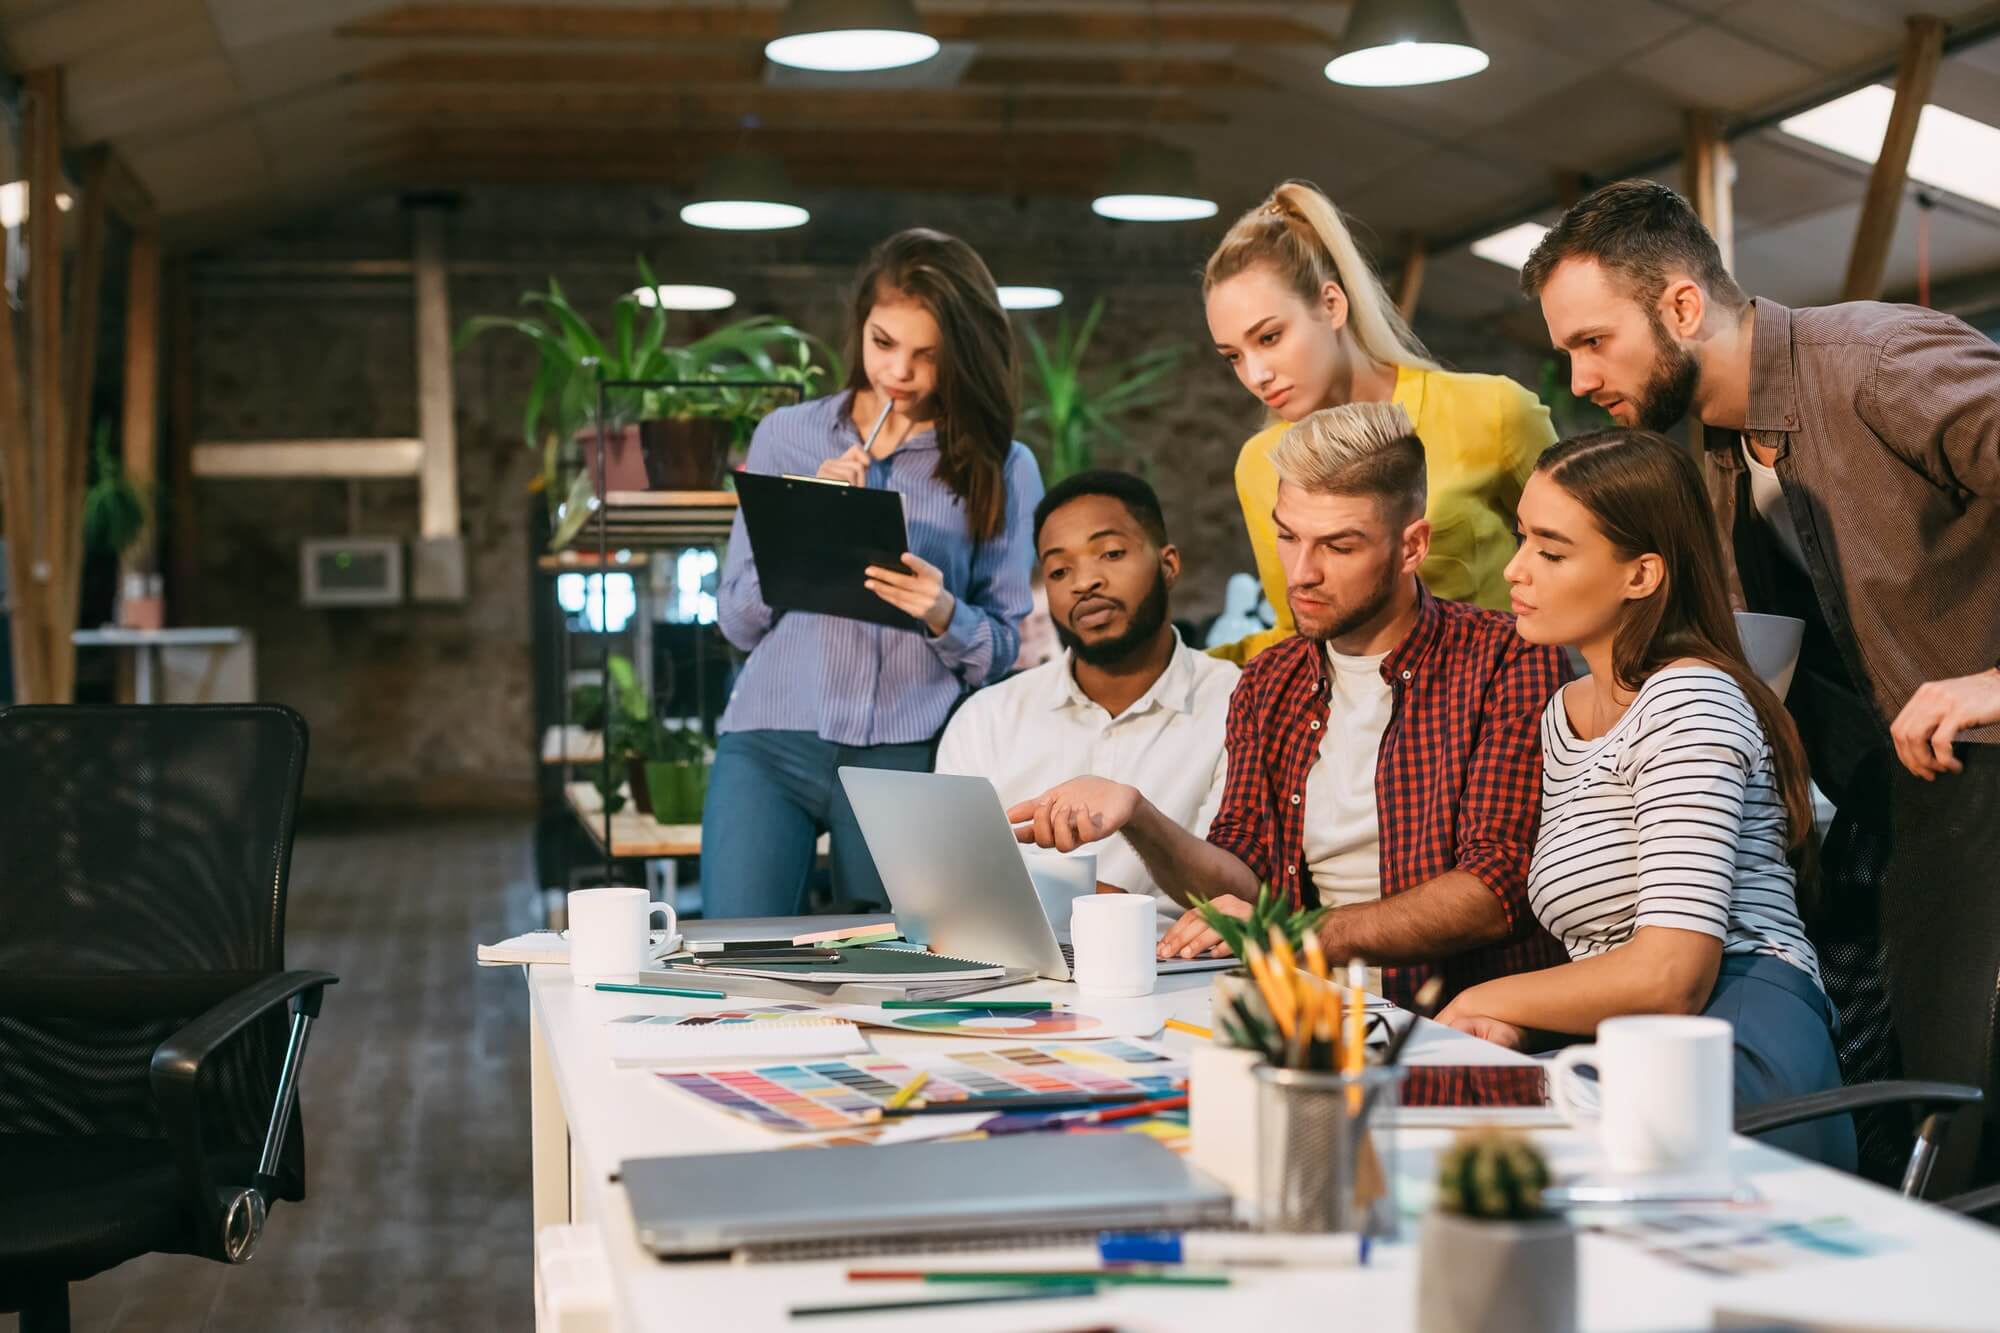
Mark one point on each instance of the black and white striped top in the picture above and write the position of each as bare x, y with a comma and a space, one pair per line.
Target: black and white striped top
1672, 818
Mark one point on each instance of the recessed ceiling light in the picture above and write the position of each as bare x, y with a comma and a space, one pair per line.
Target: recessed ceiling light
845, 36
745, 191
1399, 43
685, 296
1952, 152
1154, 183
1512, 246
1029, 298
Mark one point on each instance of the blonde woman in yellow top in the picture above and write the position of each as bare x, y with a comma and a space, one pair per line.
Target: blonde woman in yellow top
1296, 310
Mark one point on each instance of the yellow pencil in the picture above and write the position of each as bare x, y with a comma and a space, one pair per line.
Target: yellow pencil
902, 1095
1276, 995
1357, 1028
1192, 1029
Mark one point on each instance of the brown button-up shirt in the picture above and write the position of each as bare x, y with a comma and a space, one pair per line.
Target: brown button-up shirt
1886, 422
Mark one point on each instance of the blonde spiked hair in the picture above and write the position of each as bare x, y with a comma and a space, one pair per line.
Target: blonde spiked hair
1299, 233
1356, 449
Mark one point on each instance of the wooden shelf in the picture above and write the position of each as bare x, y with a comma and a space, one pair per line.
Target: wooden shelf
659, 520
633, 835
572, 745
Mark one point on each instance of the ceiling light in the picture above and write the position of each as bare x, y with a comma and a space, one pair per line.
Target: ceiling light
849, 35
1396, 43
1029, 298
14, 203
1155, 183
1952, 152
685, 296
1512, 246
745, 192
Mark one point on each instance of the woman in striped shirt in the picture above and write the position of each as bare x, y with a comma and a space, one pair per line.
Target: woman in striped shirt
1674, 792
931, 347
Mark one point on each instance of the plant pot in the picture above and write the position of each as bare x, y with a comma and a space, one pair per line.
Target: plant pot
635, 778
687, 455
1479, 1276
624, 459
678, 789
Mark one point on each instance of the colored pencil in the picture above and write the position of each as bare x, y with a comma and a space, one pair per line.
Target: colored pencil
1015, 1293
1024, 1102
1043, 1276
909, 1090
1136, 1109
683, 992
1007, 1006
1192, 1029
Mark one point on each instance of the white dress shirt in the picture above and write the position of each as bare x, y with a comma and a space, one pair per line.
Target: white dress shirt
1038, 728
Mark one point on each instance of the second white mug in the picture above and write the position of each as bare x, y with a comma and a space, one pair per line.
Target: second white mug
1666, 1085
1114, 937
609, 933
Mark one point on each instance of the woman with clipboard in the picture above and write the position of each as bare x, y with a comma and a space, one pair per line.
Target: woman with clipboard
928, 412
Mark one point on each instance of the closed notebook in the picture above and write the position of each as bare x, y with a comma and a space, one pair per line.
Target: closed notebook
868, 962
665, 1039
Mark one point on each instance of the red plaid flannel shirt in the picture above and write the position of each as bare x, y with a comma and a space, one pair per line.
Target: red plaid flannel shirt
1458, 781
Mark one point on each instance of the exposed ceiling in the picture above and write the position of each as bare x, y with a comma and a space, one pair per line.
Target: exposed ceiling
235, 113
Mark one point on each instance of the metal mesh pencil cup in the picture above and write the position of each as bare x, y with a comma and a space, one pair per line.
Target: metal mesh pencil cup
1319, 1166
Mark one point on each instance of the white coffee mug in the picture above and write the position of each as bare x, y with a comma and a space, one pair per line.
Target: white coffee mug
608, 933
1665, 1089
1059, 881
1771, 647
1114, 937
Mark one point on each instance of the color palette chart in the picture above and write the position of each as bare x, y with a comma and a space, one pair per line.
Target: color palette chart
825, 1095
1020, 1024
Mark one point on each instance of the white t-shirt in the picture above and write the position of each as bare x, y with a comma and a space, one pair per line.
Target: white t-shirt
1036, 729
1343, 841
1672, 818
1767, 493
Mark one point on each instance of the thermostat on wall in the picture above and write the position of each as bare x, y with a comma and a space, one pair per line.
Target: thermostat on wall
351, 571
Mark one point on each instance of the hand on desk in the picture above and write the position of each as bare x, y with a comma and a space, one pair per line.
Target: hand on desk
1192, 937
920, 593
1081, 810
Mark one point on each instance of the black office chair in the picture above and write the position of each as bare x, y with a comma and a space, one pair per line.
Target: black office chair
1983, 1204
149, 1094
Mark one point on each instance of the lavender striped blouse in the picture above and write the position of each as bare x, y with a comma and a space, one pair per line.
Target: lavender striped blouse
859, 684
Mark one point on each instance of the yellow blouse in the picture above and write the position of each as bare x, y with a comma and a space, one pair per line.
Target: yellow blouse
1481, 434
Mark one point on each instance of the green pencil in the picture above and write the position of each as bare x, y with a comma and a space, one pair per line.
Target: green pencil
684, 993
1007, 1006
1036, 1277
1052, 1292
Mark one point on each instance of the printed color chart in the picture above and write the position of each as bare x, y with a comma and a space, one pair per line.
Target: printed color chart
822, 1095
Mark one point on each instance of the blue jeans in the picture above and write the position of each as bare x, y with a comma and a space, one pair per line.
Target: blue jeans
1784, 1047
770, 795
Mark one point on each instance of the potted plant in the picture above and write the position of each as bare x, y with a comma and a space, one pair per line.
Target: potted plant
1491, 1258
1072, 412
678, 438
664, 767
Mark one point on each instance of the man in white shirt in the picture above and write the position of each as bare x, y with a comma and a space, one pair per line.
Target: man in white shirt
1126, 697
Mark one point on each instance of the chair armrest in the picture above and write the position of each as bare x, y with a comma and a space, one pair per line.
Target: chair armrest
1862, 1096
1978, 1203
176, 1078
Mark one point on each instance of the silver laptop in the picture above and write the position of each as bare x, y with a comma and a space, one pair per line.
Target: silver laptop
705, 1205
948, 857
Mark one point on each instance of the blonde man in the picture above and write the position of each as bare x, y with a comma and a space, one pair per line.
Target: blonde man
1385, 761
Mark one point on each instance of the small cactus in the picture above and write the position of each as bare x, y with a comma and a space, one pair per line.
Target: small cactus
1495, 1175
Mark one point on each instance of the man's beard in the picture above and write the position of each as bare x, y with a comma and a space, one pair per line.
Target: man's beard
1670, 392
1147, 617
1363, 611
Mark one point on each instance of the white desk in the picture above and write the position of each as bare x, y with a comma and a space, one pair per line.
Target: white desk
589, 1116
199, 666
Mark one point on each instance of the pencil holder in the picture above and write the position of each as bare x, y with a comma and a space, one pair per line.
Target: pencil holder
1320, 1168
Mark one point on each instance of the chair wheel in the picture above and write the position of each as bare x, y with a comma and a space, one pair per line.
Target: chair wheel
242, 1224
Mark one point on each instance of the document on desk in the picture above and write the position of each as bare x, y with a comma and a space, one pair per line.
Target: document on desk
789, 1032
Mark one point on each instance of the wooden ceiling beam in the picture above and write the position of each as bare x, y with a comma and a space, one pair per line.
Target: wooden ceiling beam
774, 108
729, 22
919, 150
1029, 177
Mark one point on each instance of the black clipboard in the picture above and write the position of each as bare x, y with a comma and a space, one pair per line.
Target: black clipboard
812, 542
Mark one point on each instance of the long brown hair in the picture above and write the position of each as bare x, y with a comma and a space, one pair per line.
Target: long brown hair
976, 389
1299, 234
1646, 496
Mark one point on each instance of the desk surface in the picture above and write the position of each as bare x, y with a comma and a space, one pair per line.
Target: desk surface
112, 636
1937, 1275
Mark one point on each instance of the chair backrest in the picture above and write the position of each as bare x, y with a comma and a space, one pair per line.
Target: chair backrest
143, 858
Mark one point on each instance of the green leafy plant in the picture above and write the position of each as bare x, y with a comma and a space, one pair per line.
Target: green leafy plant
1270, 910
114, 509
1073, 412
562, 399
1494, 1174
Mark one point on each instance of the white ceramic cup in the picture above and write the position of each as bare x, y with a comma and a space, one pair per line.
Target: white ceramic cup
1059, 881
608, 933
1113, 935
1771, 646
1665, 1093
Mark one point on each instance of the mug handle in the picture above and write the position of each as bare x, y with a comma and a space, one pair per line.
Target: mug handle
673, 921
1562, 1069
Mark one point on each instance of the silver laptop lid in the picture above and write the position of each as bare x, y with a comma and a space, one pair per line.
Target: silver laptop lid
710, 1204
954, 872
